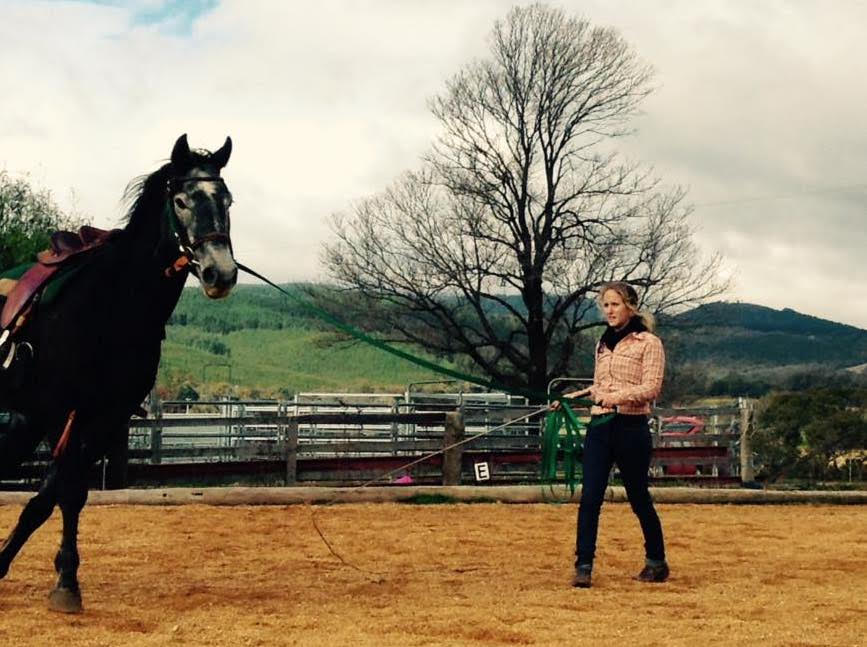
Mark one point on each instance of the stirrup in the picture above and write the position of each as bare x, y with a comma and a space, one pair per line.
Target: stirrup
10, 352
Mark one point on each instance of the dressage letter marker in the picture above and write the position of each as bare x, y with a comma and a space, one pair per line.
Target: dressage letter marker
482, 471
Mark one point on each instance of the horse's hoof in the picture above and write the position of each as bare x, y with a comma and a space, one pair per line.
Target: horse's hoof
65, 601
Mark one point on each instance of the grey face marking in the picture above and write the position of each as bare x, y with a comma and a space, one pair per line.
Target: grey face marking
203, 209
211, 187
203, 206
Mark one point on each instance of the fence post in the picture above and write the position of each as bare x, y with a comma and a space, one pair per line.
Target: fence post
746, 407
395, 430
291, 451
655, 437
156, 411
453, 433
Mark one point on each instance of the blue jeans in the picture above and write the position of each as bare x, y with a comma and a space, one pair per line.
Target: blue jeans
624, 440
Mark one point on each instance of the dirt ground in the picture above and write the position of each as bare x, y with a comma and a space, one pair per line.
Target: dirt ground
457, 574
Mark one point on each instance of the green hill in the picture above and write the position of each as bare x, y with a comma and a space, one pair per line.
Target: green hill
743, 334
761, 318
265, 344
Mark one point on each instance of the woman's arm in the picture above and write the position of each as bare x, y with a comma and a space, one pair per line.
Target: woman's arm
571, 396
583, 393
652, 373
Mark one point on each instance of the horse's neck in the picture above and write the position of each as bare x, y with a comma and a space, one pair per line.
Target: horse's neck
146, 231
145, 253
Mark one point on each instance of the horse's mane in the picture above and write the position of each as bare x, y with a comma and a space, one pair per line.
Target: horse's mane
146, 192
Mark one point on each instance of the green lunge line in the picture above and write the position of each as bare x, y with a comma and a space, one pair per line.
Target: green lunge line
552, 441
362, 336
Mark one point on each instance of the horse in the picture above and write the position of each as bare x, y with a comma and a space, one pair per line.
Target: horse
96, 345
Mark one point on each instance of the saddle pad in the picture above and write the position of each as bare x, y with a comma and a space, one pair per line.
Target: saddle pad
31, 278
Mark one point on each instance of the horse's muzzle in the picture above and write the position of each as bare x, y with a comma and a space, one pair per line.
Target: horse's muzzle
218, 281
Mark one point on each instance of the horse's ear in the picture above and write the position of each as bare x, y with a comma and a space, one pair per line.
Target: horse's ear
181, 151
221, 157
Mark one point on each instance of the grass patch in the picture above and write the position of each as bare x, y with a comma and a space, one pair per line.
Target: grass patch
284, 361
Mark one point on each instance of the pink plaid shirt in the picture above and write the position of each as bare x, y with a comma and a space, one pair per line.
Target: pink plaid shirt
633, 372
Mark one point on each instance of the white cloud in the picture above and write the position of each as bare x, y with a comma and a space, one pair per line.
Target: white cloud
326, 103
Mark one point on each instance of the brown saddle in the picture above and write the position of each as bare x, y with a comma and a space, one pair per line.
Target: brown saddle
64, 245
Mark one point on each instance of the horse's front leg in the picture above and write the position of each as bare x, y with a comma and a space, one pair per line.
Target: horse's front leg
71, 497
34, 514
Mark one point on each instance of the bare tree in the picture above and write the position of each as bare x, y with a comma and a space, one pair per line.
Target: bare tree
494, 248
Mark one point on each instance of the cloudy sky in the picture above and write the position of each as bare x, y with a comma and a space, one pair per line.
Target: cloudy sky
760, 110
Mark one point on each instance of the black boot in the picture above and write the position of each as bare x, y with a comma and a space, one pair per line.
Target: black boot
581, 579
653, 571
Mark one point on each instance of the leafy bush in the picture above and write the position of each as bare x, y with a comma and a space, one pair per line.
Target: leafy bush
801, 434
28, 216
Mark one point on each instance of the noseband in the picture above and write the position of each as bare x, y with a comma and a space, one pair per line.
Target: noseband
186, 246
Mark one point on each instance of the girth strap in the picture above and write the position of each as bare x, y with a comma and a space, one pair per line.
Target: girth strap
64, 437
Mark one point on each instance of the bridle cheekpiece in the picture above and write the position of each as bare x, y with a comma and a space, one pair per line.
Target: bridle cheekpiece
187, 247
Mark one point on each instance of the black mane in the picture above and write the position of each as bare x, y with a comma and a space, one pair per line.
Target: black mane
145, 193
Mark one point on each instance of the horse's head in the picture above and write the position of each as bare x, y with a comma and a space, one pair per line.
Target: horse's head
199, 202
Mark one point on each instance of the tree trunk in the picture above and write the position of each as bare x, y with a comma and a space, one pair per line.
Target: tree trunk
537, 344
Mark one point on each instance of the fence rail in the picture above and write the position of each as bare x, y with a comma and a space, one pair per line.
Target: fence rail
354, 438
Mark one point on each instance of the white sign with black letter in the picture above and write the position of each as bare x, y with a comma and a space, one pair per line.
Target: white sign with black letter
482, 471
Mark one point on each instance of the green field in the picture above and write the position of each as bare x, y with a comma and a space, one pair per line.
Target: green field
272, 363
276, 346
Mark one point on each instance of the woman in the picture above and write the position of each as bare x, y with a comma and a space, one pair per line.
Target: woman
628, 376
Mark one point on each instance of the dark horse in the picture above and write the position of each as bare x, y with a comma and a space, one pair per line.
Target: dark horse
97, 344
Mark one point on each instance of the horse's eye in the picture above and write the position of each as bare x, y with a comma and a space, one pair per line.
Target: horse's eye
180, 204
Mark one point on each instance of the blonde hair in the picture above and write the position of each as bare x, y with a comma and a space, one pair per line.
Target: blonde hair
630, 299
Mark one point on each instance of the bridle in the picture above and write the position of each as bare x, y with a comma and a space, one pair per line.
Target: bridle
187, 247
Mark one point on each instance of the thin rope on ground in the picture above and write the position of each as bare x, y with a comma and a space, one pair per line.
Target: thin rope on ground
379, 575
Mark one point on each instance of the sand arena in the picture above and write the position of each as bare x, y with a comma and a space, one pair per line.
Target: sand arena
457, 574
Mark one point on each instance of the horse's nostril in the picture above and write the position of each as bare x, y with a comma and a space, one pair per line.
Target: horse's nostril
209, 276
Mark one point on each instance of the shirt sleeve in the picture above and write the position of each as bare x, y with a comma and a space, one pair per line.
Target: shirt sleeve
595, 386
652, 373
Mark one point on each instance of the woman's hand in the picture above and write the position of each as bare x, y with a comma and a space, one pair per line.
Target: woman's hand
571, 396
608, 400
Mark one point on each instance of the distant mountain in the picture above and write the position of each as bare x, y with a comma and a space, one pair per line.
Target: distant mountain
743, 334
761, 318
